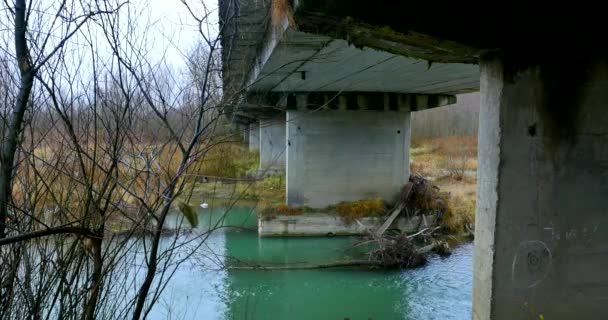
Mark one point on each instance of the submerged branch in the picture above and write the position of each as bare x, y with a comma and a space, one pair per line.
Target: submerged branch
48, 232
336, 264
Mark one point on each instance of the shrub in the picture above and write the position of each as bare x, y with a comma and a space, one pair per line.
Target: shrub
460, 216
349, 211
425, 198
272, 188
226, 160
450, 156
267, 210
458, 155
457, 210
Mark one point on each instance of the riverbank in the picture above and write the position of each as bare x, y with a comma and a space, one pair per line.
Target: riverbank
448, 163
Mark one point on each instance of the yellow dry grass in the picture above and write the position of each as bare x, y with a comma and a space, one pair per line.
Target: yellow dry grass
450, 163
349, 211
269, 209
461, 203
55, 179
454, 156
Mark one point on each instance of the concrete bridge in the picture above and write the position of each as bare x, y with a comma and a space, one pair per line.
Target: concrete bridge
327, 87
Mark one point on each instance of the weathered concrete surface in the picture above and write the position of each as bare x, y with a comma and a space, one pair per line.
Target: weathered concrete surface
450, 32
254, 136
541, 242
320, 224
242, 130
329, 100
372, 24
308, 62
272, 143
266, 104
244, 24
336, 156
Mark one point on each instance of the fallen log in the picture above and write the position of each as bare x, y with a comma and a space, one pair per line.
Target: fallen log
423, 231
336, 264
404, 197
390, 220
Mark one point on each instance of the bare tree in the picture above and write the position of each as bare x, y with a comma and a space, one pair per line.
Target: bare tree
98, 138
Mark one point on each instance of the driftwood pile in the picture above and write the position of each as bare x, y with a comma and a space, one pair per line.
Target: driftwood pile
397, 252
419, 197
390, 252
394, 250
424, 198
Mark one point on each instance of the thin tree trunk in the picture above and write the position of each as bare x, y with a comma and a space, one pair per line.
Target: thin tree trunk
96, 278
152, 261
9, 145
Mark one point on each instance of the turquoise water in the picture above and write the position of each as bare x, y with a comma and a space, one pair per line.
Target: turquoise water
202, 289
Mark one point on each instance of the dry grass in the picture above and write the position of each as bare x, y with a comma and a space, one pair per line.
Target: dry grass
423, 197
451, 164
464, 188
54, 181
427, 164
460, 217
349, 211
269, 210
267, 192
271, 189
451, 156
227, 160
459, 155
448, 144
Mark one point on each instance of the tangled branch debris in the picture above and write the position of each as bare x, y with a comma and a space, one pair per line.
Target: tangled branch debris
391, 250
400, 251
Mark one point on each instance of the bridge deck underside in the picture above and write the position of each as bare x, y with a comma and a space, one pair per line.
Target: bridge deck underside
306, 62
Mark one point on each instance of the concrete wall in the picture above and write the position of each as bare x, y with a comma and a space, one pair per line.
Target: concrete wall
318, 224
272, 143
541, 242
242, 131
459, 119
254, 136
338, 155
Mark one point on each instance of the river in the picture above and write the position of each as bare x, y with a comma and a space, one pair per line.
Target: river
201, 290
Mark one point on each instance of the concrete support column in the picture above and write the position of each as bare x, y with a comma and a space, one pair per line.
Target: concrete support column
254, 136
272, 143
541, 239
243, 131
343, 155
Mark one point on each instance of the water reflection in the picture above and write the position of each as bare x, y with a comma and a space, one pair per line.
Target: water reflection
199, 290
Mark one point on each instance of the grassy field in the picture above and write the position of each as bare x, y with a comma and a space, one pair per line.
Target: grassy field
451, 164
268, 190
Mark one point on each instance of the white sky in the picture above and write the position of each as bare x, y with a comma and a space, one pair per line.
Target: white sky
171, 29
175, 29
165, 30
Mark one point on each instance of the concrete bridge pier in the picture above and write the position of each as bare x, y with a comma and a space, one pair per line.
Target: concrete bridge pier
242, 130
541, 241
347, 154
272, 144
254, 136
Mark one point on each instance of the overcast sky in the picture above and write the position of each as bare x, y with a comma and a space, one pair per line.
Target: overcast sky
174, 27
171, 31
